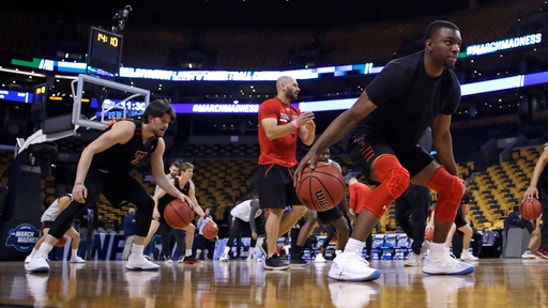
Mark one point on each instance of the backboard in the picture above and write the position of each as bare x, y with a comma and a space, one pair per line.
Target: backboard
98, 101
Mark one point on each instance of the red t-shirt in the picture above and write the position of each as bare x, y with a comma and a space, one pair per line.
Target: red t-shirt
359, 192
283, 150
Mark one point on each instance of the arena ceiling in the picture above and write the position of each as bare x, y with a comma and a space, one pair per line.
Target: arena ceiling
252, 13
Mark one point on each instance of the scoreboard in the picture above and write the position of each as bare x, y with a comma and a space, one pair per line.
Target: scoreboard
104, 53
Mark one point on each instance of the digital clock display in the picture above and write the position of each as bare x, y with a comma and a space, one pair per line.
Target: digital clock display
113, 109
105, 52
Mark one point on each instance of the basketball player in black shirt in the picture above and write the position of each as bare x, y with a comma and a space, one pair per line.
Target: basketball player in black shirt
105, 166
409, 94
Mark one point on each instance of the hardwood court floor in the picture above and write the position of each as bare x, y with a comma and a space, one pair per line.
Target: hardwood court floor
496, 283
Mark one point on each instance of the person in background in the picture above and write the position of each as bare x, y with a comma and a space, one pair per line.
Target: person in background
463, 225
168, 234
280, 124
335, 221
412, 211
184, 184
410, 94
87, 228
243, 217
48, 217
535, 239
203, 245
129, 233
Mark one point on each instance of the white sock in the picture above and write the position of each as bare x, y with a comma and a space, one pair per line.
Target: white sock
355, 246
437, 250
74, 254
188, 252
137, 250
45, 248
227, 250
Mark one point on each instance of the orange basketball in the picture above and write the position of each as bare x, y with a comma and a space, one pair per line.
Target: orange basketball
178, 214
429, 233
321, 189
530, 209
210, 230
62, 241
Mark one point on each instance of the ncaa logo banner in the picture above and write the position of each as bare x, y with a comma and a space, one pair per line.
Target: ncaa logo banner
23, 237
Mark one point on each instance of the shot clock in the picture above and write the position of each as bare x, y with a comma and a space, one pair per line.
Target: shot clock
104, 53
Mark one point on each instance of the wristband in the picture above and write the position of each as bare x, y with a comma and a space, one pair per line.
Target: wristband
79, 183
294, 122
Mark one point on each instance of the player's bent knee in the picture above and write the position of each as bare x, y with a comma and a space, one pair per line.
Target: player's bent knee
392, 174
398, 182
450, 190
457, 190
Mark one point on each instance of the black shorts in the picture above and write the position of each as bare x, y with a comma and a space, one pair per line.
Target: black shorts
275, 185
363, 153
46, 224
328, 216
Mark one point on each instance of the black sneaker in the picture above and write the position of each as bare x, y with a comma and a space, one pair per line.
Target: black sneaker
264, 249
191, 260
298, 260
275, 263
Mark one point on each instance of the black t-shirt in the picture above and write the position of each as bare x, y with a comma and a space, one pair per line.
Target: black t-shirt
121, 158
408, 100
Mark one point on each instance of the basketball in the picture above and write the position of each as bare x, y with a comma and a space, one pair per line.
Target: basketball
62, 241
178, 214
210, 231
321, 189
429, 233
530, 209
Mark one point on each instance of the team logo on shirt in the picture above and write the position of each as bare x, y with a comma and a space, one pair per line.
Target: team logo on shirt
139, 155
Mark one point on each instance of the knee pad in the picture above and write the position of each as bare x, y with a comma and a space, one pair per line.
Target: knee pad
450, 190
389, 171
394, 180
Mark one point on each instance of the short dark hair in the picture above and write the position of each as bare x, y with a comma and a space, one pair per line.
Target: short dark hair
434, 26
157, 108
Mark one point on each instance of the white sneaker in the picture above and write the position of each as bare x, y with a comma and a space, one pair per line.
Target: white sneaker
352, 267
467, 256
224, 258
140, 263
528, 255
77, 259
446, 265
413, 259
320, 259
27, 259
38, 263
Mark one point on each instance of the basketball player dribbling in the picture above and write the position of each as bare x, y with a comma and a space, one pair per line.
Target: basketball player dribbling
105, 167
385, 123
